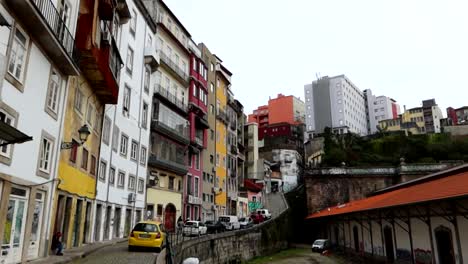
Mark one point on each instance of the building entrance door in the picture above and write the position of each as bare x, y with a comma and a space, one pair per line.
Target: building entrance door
128, 222
444, 242
389, 244
170, 217
33, 250
13, 236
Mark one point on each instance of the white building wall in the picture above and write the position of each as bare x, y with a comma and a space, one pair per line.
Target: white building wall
309, 107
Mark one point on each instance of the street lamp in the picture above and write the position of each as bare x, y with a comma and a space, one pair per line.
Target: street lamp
83, 133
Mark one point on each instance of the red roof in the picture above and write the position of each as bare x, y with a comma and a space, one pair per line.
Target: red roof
451, 186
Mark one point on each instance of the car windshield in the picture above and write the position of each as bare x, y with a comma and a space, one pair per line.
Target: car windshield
319, 242
144, 227
191, 224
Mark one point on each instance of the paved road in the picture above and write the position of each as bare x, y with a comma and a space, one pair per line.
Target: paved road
119, 254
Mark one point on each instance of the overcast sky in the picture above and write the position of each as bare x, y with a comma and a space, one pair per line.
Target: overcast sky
405, 49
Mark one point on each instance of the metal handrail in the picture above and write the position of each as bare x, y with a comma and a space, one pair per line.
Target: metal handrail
166, 59
56, 24
158, 88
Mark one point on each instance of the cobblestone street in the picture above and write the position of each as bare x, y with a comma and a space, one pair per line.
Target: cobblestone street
119, 254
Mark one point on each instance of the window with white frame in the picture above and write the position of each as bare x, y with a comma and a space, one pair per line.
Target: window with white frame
211, 66
131, 182
196, 187
197, 160
211, 87
141, 185
115, 138
123, 144
144, 119
112, 175
102, 170
5, 150
121, 179
17, 61
126, 102
147, 79
129, 61
143, 156
134, 150
45, 155
133, 23
79, 100
53, 92
106, 130
90, 115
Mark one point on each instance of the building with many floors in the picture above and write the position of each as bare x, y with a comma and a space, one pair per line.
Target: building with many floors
457, 116
122, 164
379, 108
37, 62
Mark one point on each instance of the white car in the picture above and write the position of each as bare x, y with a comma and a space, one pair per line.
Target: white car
265, 213
230, 222
246, 222
194, 228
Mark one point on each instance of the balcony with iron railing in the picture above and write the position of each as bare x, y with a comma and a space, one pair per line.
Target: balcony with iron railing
221, 115
179, 134
179, 168
165, 94
100, 63
43, 21
233, 149
174, 68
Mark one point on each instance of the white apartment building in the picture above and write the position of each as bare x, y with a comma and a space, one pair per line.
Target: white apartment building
36, 59
337, 103
379, 108
121, 183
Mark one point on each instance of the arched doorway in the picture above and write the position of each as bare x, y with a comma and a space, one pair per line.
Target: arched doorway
444, 242
356, 238
389, 244
170, 217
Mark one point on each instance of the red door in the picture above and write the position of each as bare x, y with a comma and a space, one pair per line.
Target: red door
170, 218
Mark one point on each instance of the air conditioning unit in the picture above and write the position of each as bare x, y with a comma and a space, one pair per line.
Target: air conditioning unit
131, 197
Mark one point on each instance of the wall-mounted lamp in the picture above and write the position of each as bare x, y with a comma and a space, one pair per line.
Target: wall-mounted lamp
83, 133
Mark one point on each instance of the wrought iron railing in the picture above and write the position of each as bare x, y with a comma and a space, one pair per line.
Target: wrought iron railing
168, 61
56, 24
159, 89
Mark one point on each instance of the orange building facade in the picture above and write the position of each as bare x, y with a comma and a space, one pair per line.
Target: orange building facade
282, 109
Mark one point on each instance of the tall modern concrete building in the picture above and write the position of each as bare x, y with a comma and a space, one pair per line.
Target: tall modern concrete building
337, 103
379, 108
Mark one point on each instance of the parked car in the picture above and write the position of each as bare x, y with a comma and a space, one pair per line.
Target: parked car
265, 213
246, 222
194, 228
147, 234
230, 222
214, 227
320, 245
257, 218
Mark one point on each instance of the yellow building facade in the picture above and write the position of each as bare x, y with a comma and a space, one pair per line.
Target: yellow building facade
222, 84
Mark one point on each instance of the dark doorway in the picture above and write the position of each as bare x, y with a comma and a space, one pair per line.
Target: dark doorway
87, 222
117, 215
444, 242
59, 215
170, 217
137, 216
389, 244
107, 223
128, 222
77, 224
97, 223
337, 239
66, 220
356, 238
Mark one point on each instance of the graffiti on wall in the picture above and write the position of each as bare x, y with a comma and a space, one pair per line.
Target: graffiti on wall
422, 256
254, 206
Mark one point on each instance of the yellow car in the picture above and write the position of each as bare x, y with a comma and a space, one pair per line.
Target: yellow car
147, 234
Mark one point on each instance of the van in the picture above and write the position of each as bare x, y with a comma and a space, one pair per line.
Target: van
230, 222
265, 213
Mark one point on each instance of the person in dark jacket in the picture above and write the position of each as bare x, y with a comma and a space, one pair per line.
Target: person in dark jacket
57, 245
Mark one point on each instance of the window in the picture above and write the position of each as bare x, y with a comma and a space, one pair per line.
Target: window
79, 101
6, 118
144, 119
159, 210
212, 134
189, 184
74, 151
197, 161
115, 138
121, 179
84, 159
190, 158
212, 87
224, 162
112, 175
196, 187
53, 93
171, 183
212, 109
143, 156
133, 22
45, 157
123, 144
90, 115
217, 159
129, 61
106, 130
92, 169
211, 159
147, 79
211, 67
134, 150
102, 171
16, 64
126, 102
194, 90
131, 182
141, 184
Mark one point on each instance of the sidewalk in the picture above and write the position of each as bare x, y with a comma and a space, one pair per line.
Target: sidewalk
72, 254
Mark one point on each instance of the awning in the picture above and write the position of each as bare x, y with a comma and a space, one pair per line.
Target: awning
11, 135
450, 186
